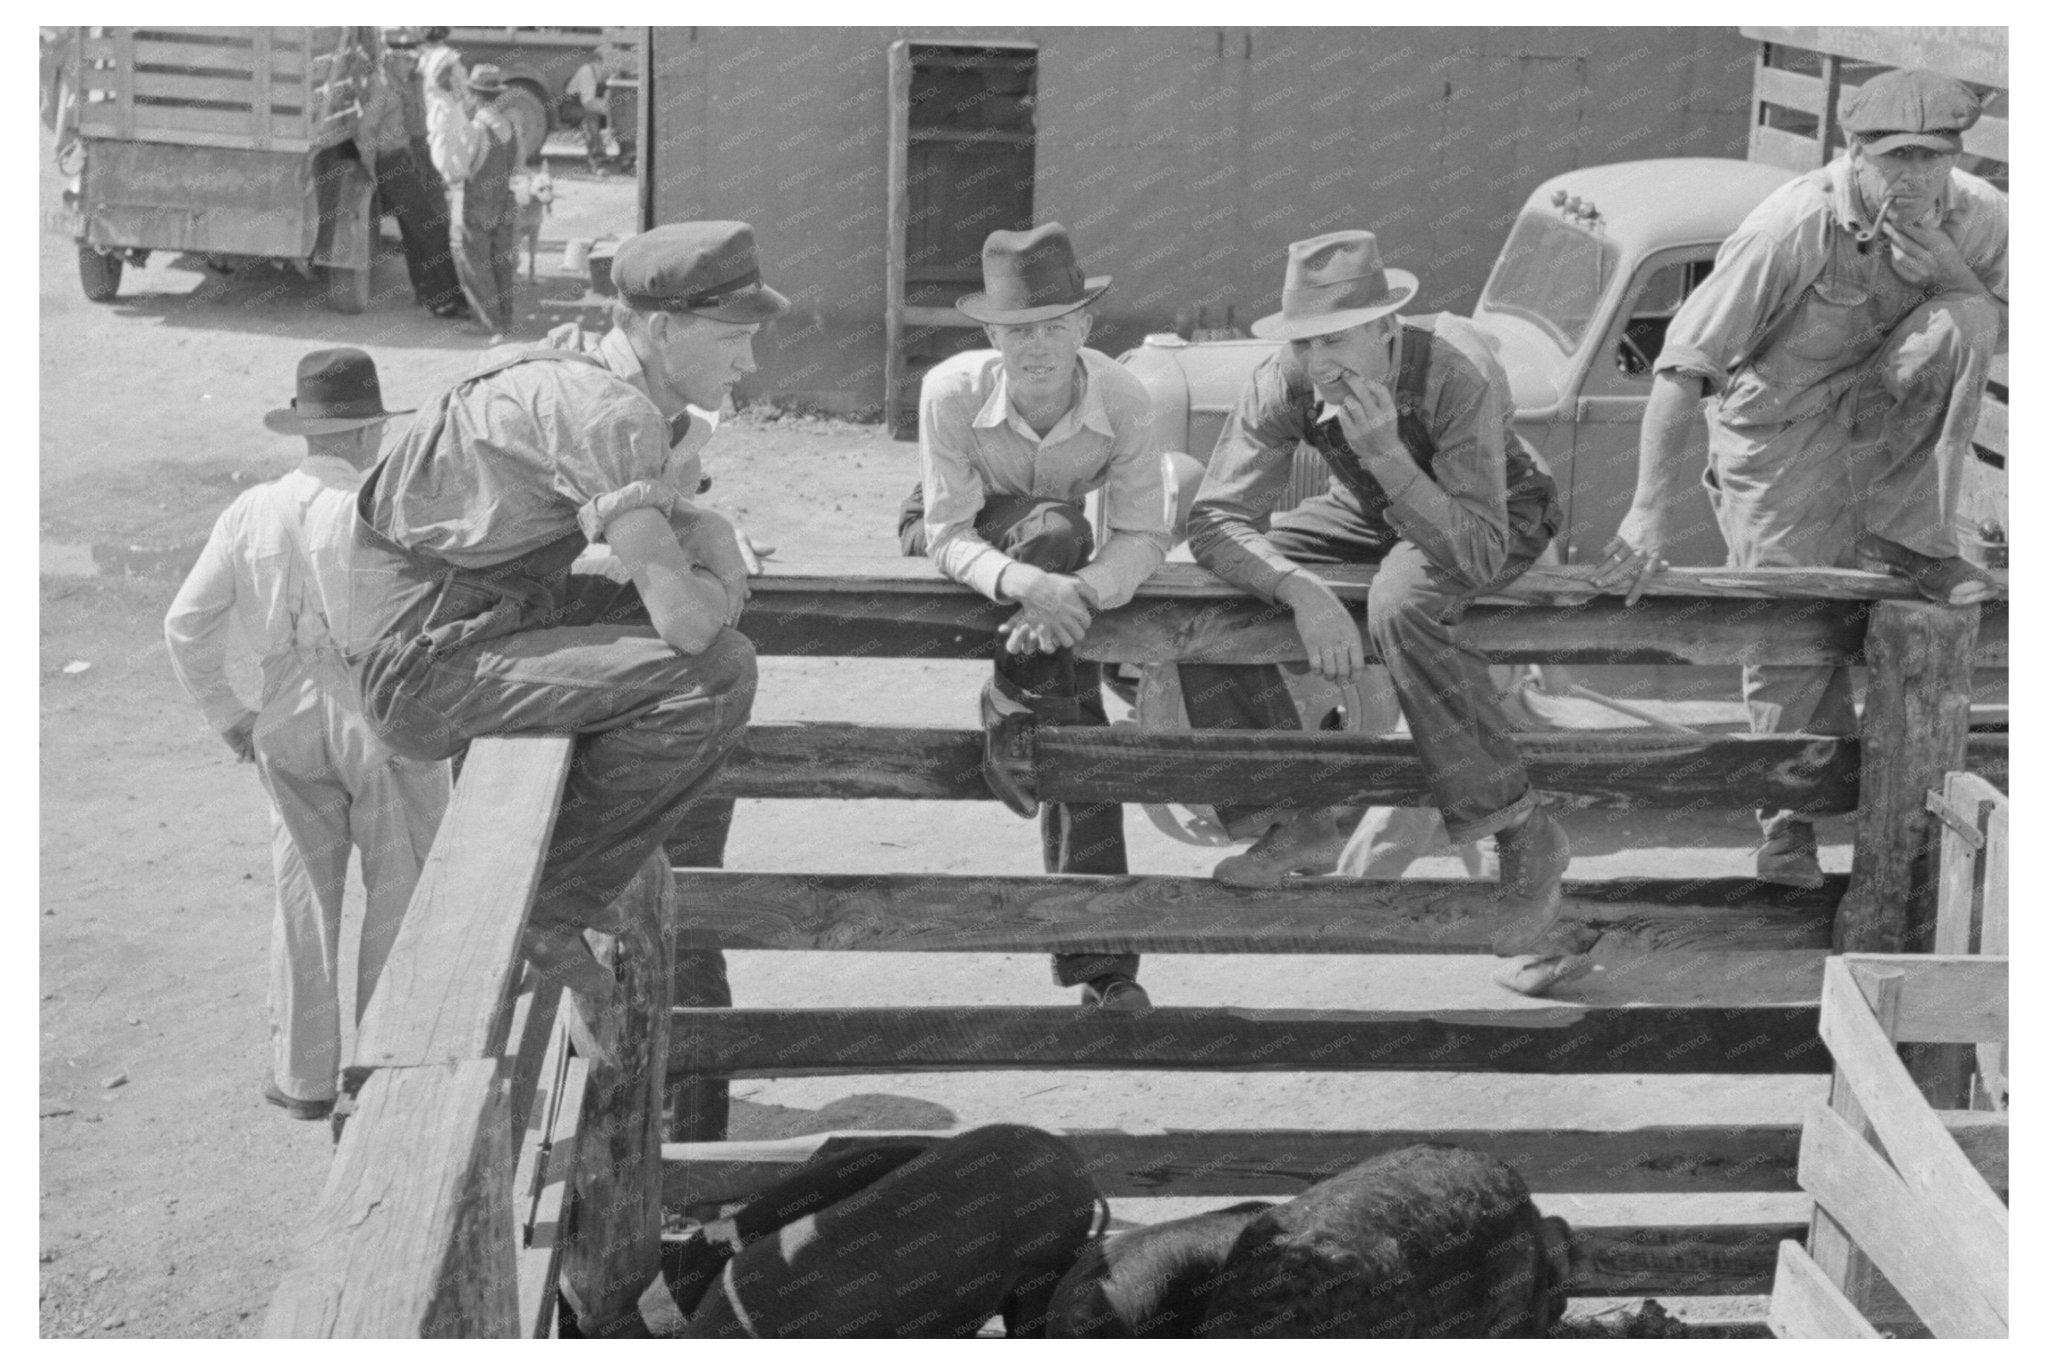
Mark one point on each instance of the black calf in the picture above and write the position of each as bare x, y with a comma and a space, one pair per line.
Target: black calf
1151, 1282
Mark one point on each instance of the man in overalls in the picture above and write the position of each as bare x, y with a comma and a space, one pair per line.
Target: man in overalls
276, 563
1431, 484
1843, 341
470, 622
482, 213
1011, 441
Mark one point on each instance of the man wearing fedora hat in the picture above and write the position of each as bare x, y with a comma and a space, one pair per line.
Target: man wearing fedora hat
1430, 483
276, 563
477, 161
471, 623
1842, 344
1011, 440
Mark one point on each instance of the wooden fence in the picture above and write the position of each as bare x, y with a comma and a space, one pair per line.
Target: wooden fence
457, 1201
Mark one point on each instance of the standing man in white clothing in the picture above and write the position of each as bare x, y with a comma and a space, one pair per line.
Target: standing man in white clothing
277, 564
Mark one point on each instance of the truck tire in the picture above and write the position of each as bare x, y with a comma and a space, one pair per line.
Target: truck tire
348, 291
527, 112
99, 273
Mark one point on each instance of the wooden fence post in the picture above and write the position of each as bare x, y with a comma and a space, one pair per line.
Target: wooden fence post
1916, 726
613, 1250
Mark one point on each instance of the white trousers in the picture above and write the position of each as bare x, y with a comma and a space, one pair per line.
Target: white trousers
333, 787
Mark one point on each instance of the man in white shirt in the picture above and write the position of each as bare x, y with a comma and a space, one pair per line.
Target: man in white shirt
1011, 441
277, 564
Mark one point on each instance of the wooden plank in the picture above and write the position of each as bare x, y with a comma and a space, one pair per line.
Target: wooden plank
1791, 89
1805, 1305
614, 1252
543, 1234
123, 83
1945, 999
1959, 896
1931, 1165
412, 1236
1913, 1240
1967, 52
534, 1015
1522, 1039
1587, 769
1706, 1260
264, 78
169, 123
915, 913
1916, 723
1282, 1163
1833, 1249
1777, 147
238, 91
446, 991
1990, 1081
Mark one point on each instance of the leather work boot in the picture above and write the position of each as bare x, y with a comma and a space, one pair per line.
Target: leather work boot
1790, 857
1309, 842
1114, 994
1533, 859
1007, 753
1951, 582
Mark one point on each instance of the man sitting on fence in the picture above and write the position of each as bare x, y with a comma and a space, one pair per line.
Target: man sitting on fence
1843, 342
1433, 486
276, 563
475, 625
1011, 441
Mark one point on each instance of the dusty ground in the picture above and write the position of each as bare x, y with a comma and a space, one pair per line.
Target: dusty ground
170, 1194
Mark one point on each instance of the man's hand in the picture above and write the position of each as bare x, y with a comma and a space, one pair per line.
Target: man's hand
1635, 554
241, 737
752, 551
1328, 634
1924, 255
1059, 604
1369, 418
1025, 633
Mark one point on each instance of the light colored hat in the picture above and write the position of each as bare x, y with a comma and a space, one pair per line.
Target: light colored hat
1334, 282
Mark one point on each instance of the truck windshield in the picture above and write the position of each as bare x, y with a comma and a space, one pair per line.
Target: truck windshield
1554, 274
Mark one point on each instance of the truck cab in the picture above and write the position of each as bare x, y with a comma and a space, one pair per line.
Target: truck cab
1575, 307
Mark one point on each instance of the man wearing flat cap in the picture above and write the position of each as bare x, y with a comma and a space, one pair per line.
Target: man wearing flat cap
474, 624
1842, 345
1430, 483
1011, 441
277, 564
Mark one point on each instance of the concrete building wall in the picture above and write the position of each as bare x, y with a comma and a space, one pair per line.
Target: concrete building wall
1183, 160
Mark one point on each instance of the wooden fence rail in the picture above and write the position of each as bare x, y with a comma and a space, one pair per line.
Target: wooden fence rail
502, 1145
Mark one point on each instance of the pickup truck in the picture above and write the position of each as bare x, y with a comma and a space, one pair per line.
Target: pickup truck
1576, 306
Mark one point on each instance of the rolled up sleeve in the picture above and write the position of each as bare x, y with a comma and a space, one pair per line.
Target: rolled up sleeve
615, 465
1247, 475
1757, 274
953, 490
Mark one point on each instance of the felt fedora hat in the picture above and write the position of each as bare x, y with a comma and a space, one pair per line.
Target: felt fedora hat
487, 79
1029, 277
337, 392
1335, 281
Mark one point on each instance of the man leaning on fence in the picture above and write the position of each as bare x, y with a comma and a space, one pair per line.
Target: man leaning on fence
1011, 441
474, 623
1433, 486
1842, 343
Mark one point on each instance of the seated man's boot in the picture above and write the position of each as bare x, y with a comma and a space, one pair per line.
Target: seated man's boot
1008, 751
1952, 581
1115, 994
1310, 842
1533, 860
1790, 856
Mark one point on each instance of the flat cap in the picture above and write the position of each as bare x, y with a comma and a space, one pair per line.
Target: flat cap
705, 268
1910, 109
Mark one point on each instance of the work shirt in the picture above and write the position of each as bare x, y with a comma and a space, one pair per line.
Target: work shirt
973, 445
1796, 304
496, 468
1456, 513
488, 155
292, 609
441, 83
584, 84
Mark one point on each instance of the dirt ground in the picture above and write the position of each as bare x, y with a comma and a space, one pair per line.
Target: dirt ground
170, 1194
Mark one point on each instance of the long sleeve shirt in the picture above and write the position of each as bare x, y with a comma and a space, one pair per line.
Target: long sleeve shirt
1455, 509
252, 573
1796, 303
973, 445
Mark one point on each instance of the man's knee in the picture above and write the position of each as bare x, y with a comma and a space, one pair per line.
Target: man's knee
728, 669
1401, 609
1054, 536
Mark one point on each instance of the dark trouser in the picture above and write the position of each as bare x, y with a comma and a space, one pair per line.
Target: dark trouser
422, 212
487, 263
577, 654
1474, 771
1053, 536
593, 134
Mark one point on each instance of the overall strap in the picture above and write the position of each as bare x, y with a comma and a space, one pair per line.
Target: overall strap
1411, 388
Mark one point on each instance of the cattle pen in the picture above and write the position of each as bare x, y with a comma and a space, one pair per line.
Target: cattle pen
506, 1144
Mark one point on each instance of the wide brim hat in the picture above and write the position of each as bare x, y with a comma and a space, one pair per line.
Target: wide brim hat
709, 269
337, 391
1029, 277
1335, 282
486, 79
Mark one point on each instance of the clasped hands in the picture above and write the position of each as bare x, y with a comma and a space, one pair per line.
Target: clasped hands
1057, 610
